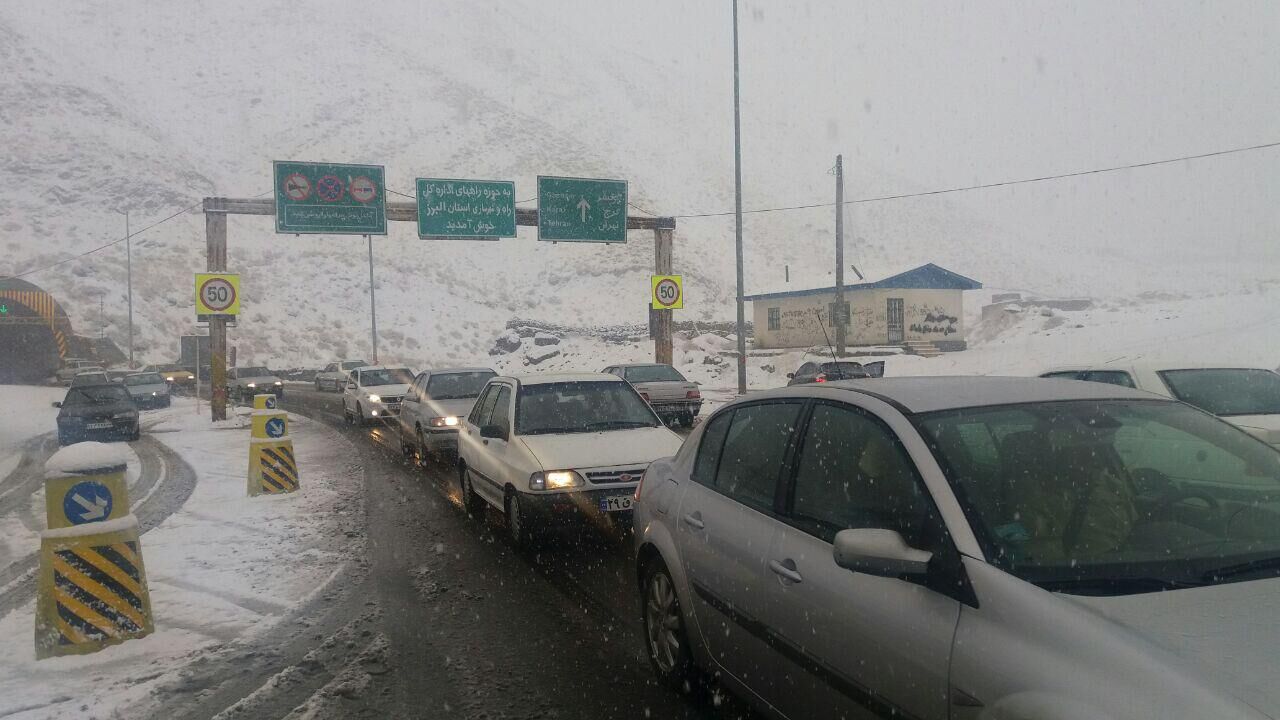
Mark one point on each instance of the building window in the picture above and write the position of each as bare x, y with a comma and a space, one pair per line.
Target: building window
775, 318
831, 314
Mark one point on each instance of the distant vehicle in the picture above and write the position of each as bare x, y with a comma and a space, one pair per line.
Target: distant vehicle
73, 366
814, 372
670, 394
1246, 397
374, 392
103, 411
334, 375
550, 448
173, 374
90, 376
920, 547
148, 389
434, 406
119, 375
245, 382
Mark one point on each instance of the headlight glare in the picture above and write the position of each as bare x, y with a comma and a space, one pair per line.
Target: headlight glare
450, 421
555, 480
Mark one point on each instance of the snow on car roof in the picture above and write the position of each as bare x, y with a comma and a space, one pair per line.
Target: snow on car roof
546, 378
927, 394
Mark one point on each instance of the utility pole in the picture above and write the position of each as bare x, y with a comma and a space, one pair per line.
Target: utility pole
840, 317
128, 260
737, 210
662, 266
373, 304
215, 228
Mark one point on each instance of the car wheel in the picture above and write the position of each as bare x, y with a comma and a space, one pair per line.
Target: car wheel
517, 522
317, 386
665, 637
421, 447
471, 501
136, 435
359, 416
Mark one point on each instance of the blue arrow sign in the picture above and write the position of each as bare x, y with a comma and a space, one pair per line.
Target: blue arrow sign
87, 502
275, 427
271, 403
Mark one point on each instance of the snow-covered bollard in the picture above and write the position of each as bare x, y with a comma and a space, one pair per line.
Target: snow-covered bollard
272, 467
264, 401
92, 588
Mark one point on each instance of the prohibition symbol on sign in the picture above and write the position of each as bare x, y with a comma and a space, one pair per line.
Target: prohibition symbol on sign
297, 187
668, 293
218, 294
329, 188
363, 190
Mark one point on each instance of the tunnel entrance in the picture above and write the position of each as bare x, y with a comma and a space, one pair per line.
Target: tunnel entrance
34, 330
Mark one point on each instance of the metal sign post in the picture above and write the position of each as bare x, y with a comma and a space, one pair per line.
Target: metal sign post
373, 304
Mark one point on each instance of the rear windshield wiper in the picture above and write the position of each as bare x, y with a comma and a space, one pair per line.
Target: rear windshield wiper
1267, 564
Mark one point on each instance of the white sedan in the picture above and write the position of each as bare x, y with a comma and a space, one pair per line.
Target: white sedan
547, 448
374, 393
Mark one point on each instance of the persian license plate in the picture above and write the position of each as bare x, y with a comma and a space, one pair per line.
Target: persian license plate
616, 503
97, 426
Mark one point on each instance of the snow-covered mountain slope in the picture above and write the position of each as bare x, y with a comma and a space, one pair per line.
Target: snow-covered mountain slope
152, 105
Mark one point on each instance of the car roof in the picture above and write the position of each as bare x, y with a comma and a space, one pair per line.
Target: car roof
382, 367
547, 378
1156, 365
927, 394
144, 372
448, 371
632, 365
97, 385
95, 371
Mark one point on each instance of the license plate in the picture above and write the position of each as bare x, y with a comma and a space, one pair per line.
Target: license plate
97, 426
616, 503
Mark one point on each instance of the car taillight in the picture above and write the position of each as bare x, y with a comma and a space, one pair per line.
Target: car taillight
820, 378
692, 395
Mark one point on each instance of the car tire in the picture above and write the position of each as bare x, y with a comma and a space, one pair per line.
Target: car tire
472, 503
136, 435
317, 386
517, 521
359, 416
666, 641
421, 447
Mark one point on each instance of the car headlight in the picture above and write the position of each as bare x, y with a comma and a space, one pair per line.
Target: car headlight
450, 421
169, 379
154, 393
375, 398
555, 480
126, 415
253, 384
279, 383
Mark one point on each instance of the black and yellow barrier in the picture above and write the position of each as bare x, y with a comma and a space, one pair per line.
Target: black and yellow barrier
272, 467
92, 587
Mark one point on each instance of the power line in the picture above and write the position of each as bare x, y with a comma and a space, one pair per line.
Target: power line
1005, 183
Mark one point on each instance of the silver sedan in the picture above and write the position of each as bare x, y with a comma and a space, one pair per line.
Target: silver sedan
967, 548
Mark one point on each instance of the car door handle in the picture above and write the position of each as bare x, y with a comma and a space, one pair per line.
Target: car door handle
785, 569
694, 520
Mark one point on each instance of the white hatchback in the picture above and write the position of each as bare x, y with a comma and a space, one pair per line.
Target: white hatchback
546, 448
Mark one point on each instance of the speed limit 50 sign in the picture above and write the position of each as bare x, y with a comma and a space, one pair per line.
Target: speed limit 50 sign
668, 292
217, 294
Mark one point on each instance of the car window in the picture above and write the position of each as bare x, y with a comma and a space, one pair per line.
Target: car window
330, 367
807, 369
484, 406
580, 407
1065, 375
853, 473
501, 417
353, 364
653, 373
147, 379
1110, 377
754, 450
457, 386
385, 376
95, 395
709, 447
1227, 391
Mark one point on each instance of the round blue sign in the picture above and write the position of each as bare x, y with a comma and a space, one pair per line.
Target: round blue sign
271, 402
87, 502
275, 428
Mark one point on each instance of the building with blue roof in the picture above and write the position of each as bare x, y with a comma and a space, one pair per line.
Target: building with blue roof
921, 308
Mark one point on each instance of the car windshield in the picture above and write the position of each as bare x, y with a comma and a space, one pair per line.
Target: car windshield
457, 386
1227, 391
1094, 497
251, 372
146, 379
386, 376
353, 364
653, 373
95, 395
577, 407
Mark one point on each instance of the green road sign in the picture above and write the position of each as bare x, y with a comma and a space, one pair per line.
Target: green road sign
582, 210
466, 208
331, 199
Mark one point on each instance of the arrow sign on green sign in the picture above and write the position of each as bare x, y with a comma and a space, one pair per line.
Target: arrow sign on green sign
484, 209
582, 209
330, 198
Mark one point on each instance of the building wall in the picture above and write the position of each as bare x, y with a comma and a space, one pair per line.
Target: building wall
934, 315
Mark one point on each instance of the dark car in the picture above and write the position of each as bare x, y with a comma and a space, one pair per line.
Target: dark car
812, 372
97, 412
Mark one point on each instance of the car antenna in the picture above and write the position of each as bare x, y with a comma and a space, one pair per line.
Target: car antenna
827, 337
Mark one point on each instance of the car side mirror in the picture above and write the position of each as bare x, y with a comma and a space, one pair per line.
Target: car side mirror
493, 431
880, 552
791, 376
57, 404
